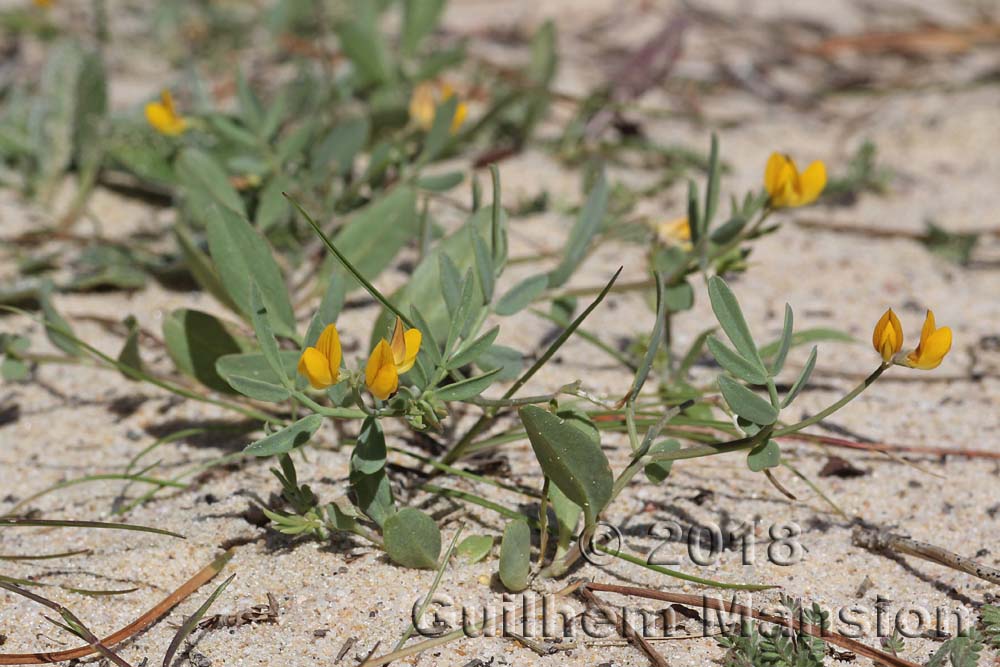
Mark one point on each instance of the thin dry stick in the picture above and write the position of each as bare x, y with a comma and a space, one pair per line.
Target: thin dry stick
875, 539
133, 628
624, 629
884, 447
720, 605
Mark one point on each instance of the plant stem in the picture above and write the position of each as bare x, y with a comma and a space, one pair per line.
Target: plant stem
823, 414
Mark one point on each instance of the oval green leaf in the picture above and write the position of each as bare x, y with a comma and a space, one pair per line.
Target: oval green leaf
515, 555
288, 438
571, 458
747, 404
412, 539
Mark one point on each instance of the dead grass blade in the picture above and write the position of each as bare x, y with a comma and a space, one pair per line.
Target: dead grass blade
133, 628
72, 624
624, 629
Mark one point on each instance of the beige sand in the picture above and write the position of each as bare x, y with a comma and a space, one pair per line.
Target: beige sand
936, 126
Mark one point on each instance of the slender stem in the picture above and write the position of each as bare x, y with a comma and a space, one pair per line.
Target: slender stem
333, 413
430, 594
543, 522
823, 414
459, 450
347, 264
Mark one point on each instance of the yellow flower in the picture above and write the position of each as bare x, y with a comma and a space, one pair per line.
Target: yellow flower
424, 103
675, 232
381, 375
44, 4
888, 336
164, 117
787, 186
390, 360
405, 346
933, 346
321, 364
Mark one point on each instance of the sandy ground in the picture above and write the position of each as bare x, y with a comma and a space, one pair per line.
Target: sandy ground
936, 126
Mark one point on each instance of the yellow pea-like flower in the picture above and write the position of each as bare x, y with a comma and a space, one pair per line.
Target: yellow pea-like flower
381, 375
676, 232
787, 187
44, 4
163, 115
321, 364
933, 346
425, 100
887, 339
405, 347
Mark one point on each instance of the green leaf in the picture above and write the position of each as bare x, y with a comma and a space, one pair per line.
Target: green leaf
258, 389
521, 295
766, 455
658, 471
567, 517
13, 370
329, 308
728, 230
786, 343
655, 340
253, 365
451, 284
569, 457
747, 404
515, 555
375, 234
205, 183
265, 336
251, 111
195, 342
373, 495
470, 352
727, 311
67, 113
695, 220
582, 233
507, 361
342, 144
439, 135
201, 267
369, 453
484, 267
272, 207
423, 289
57, 329
467, 388
412, 539
474, 548
368, 478
363, 43
801, 381
419, 19
955, 247
712, 191
129, 356
440, 182
734, 362
679, 297
288, 438
242, 256
806, 336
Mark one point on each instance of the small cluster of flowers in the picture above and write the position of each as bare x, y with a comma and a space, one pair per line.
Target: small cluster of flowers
321, 364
